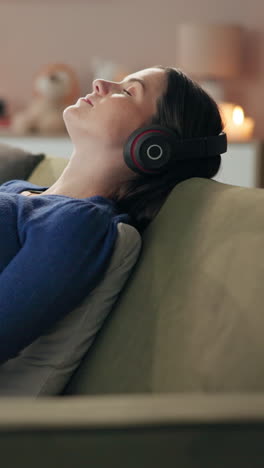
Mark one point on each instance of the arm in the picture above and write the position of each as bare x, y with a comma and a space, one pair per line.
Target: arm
57, 266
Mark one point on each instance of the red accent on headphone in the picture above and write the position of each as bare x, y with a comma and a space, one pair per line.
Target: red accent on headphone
133, 147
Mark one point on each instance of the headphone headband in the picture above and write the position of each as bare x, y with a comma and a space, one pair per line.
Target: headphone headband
203, 147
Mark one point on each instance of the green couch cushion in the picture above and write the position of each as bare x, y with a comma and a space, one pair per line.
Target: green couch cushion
191, 315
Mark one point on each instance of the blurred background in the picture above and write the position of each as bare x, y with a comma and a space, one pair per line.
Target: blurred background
132, 35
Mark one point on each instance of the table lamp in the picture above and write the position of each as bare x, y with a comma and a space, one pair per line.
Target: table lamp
210, 53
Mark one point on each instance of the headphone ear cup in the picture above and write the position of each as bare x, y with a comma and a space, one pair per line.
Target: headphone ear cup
149, 150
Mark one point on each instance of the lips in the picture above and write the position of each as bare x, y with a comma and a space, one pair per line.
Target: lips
87, 100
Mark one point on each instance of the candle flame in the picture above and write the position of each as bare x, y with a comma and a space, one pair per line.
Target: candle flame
238, 115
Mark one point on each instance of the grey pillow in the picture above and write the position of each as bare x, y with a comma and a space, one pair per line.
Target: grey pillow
46, 365
16, 163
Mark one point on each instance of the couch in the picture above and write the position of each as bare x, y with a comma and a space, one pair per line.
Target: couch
175, 376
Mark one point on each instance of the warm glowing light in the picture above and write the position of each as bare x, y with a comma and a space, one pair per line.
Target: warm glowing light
236, 125
238, 115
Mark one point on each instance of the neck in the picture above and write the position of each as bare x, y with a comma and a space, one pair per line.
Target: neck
84, 177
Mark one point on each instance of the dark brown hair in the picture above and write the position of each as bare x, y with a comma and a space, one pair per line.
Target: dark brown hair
187, 109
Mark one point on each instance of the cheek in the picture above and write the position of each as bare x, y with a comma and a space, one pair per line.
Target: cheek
115, 127
119, 117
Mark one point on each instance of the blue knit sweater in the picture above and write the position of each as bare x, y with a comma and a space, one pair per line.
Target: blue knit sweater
54, 250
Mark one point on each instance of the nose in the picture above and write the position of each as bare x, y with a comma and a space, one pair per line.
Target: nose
103, 87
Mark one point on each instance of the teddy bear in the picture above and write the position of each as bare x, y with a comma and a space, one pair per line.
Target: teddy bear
55, 87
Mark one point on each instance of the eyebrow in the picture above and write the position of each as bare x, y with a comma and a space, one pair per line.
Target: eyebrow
138, 80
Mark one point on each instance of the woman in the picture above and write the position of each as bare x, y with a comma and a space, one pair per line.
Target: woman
57, 243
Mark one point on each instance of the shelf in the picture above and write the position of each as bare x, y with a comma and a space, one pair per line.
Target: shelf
53, 145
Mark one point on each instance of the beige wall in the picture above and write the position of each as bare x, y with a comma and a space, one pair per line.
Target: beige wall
136, 33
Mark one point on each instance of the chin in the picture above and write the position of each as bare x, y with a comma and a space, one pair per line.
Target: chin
70, 119
68, 111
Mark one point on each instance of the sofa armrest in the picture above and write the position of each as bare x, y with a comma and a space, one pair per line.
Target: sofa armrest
139, 431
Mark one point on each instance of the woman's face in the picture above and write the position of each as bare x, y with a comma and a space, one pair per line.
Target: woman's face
118, 108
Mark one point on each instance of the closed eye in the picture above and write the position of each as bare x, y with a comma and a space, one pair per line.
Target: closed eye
127, 92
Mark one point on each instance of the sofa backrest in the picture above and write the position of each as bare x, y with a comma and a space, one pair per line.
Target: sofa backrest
190, 317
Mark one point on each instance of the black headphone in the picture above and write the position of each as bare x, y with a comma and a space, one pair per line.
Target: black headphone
151, 150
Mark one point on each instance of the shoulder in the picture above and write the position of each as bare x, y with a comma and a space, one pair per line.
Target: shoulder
69, 225
83, 214
70, 217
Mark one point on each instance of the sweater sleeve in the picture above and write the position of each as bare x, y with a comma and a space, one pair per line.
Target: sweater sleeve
59, 263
